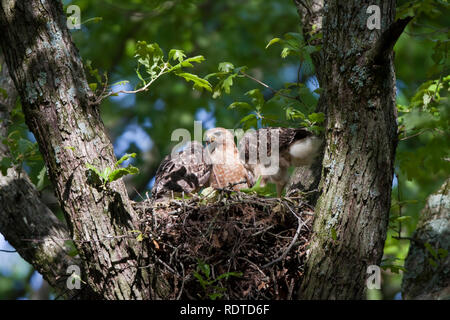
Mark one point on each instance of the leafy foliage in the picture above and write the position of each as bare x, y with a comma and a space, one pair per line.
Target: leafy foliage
151, 58
24, 153
435, 255
294, 44
108, 175
211, 286
269, 190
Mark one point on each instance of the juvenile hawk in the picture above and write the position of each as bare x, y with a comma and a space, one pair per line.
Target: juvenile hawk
268, 153
227, 168
186, 171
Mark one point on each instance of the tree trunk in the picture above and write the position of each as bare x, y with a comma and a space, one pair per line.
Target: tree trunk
28, 225
356, 72
427, 274
57, 103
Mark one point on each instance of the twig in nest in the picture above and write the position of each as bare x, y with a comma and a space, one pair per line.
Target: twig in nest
254, 265
182, 283
164, 264
297, 233
229, 187
291, 288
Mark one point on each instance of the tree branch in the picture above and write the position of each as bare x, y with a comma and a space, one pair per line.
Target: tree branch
424, 279
23, 215
382, 48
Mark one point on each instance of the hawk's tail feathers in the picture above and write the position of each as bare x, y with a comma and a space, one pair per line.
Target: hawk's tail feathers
305, 150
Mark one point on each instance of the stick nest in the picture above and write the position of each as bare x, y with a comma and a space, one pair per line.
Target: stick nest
235, 246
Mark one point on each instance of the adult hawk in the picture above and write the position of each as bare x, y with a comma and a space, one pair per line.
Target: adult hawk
228, 171
268, 153
185, 171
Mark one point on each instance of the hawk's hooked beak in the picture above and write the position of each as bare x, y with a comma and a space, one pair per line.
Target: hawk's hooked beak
210, 139
211, 143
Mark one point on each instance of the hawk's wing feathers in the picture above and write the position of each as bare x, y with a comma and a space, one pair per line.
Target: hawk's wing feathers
296, 147
252, 141
186, 171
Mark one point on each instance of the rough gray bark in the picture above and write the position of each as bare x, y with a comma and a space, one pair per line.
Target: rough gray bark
57, 103
23, 217
424, 279
33, 230
357, 76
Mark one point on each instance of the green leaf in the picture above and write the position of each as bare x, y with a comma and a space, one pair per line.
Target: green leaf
187, 63
248, 117
3, 93
318, 90
125, 157
298, 37
197, 59
206, 270
200, 279
94, 19
227, 83
176, 54
119, 173
442, 253
229, 274
432, 262
271, 42
93, 86
226, 66
293, 114
95, 176
218, 75
72, 249
150, 56
240, 105
120, 83
285, 52
198, 82
214, 296
257, 98
41, 179
240, 69
317, 117
269, 190
431, 250
105, 173
24, 145
5, 164
93, 72
311, 49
